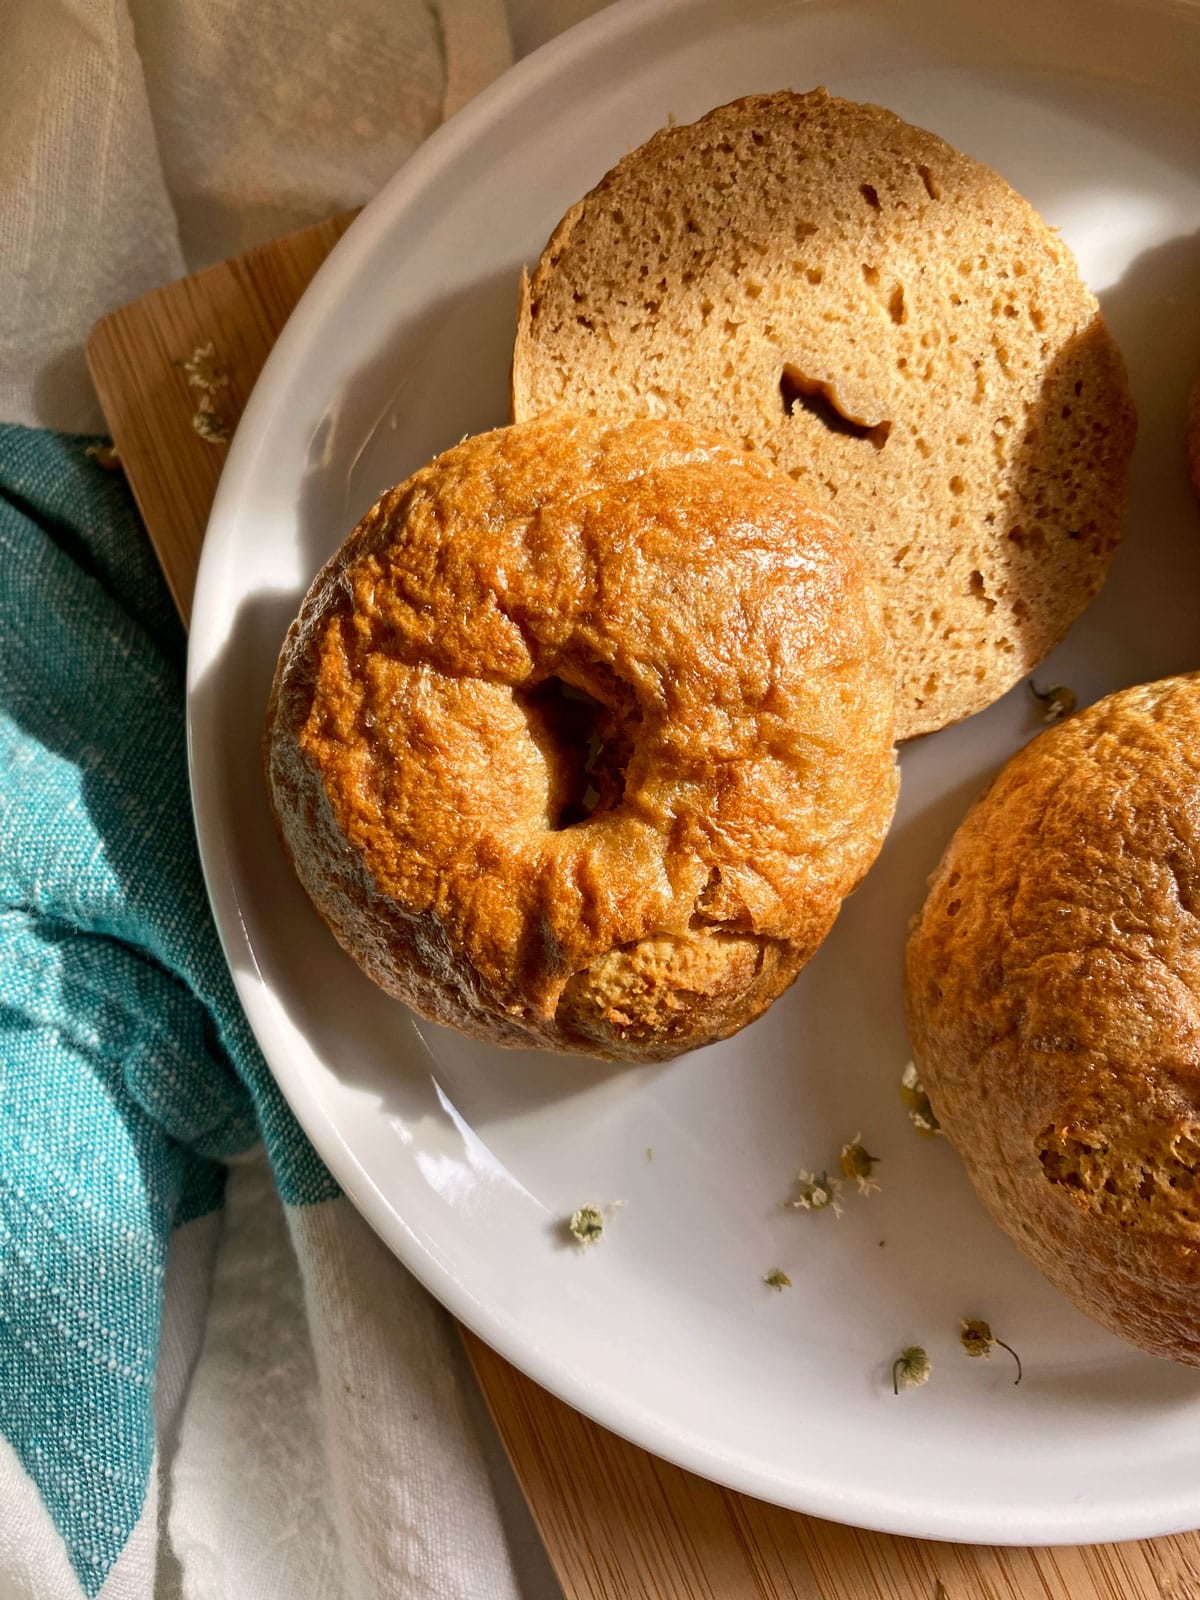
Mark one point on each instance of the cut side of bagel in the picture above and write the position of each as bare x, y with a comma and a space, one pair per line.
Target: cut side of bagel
896, 327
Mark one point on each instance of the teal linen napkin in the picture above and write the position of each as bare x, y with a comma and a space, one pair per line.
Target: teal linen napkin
127, 1070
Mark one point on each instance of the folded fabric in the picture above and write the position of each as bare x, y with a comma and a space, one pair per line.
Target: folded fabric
204, 1393
128, 1077
140, 141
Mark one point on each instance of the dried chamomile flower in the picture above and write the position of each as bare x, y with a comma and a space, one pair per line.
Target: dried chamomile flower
586, 1225
104, 454
202, 369
977, 1339
857, 1164
205, 373
920, 1112
1057, 702
777, 1278
210, 422
817, 1191
910, 1369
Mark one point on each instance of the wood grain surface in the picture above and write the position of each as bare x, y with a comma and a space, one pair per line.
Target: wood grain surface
619, 1524
136, 357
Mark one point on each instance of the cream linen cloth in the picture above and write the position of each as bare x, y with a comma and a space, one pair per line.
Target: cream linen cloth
318, 1431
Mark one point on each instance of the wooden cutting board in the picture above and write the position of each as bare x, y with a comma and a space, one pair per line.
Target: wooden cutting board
619, 1524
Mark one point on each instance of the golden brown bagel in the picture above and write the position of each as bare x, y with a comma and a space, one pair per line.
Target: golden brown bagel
583, 735
1054, 1008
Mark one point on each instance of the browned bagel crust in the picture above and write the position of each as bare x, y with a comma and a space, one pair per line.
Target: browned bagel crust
1054, 1008
417, 770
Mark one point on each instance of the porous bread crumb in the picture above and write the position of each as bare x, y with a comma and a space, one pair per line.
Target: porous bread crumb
895, 326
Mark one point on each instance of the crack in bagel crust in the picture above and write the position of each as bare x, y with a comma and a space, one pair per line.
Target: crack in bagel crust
1053, 982
641, 606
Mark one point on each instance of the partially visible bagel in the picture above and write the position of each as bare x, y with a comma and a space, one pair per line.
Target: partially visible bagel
895, 326
583, 735
1054, 1008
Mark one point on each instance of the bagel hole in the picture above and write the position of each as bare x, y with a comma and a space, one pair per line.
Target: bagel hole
816, 396
585, 765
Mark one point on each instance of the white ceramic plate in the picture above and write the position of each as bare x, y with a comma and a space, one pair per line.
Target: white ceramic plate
465, 1158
